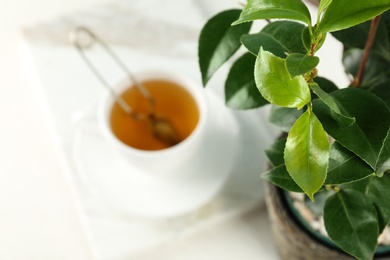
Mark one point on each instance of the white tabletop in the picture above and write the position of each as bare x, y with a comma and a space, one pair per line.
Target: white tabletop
39, 217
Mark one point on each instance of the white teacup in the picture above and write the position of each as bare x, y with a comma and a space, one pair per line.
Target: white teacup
165, 160
161, 183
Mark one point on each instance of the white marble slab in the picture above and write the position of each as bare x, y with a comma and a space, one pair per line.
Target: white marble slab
144, 34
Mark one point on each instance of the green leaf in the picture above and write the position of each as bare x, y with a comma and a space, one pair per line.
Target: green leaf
306, 39
365, 136
240, 88
345, 166
324, 4
276, 86
376, 190
280, 177
328, 99
278, 37
326, 85
275, 152
275, 9
299, 64
331, 103
218, 41
307, 152
383, 163
351, 222
378, 193
382, 91
342, 14
284, 117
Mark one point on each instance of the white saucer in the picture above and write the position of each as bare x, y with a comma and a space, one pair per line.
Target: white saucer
127, 190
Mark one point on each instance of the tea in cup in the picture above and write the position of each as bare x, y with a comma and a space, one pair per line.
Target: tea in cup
177, 98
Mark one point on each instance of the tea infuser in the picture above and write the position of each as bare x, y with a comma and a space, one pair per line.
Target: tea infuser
161, 127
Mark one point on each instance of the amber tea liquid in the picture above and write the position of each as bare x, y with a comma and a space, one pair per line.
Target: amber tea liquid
171, 101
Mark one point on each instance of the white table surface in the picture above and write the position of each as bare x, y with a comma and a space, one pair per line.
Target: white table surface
38, 215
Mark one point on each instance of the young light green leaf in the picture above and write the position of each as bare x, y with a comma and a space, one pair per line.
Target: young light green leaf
279, 9
299, 64
218, 41
274, 82
322, 8
345, 166
240, 88
280, 177
359, 220
278, 37
307, 153
365, 136
342, 14
331, 103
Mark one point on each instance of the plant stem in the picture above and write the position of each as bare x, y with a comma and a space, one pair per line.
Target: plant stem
366, 54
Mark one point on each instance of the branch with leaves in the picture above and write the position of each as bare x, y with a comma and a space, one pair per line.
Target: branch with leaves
280, 68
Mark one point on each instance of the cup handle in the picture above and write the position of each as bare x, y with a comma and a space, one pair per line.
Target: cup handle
86, 119
84, 122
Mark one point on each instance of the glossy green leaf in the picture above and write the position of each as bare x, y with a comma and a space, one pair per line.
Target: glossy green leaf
299, 64
284, 117
342, 14
278, 37
345, 166
274, 82
331, 103
218, 41
240, 88
275, 9
366, 135
275, 152
307, 152
280, 177
351, 222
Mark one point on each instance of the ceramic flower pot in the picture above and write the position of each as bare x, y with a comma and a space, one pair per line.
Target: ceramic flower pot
293, 240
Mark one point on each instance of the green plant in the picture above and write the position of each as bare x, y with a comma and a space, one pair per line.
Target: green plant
338, 140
